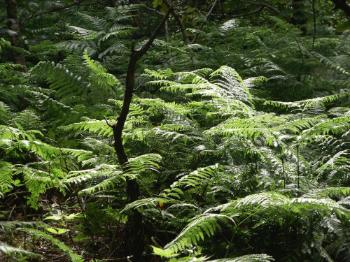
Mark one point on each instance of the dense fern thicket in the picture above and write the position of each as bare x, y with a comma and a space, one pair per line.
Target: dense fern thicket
237, 136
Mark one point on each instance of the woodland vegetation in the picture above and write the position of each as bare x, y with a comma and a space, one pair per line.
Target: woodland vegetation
173, 130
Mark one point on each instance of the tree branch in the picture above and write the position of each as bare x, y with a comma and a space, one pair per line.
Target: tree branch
134, 227
178, 21
129, 89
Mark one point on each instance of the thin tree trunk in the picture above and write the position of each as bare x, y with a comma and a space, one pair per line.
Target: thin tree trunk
134, 227
299, 17
13, 25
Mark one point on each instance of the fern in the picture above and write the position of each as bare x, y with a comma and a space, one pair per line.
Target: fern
197, 230
61, 79
6, 179
246, 258
271, 207
74, 257
16, 252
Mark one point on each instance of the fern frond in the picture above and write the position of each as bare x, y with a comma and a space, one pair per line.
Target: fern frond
99, 77
329, 63
197, 230
246, 258
16, 252
6, 180
142, 163
335, 126
61, 79
228, 78
107, 184
335, 193
98, 127
74, 257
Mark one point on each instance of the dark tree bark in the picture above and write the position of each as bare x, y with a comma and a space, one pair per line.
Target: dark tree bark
13, 25
299, 17
134, 228
342, 5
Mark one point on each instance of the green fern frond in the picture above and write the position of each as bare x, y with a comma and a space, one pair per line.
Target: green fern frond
142, 163
197, 230
146, 203
197, 177
335, 193
61, 79
16, 252
329, 63
6, 180
74, 257
98, 127
107, 184
5, 113
4, 44
335, 126
98, 173
246, 258
99, 76
228, 78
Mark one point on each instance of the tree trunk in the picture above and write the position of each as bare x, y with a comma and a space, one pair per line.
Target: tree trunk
299, 17
134, 227
13, 25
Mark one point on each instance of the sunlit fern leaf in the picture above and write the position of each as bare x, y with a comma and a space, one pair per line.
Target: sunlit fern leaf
79, 46
298, 125
335, 126
5, 113
255, 82
37, 182
117, 31
190, 77
117, 48
276, 106
141, 204
95, 23
17, 139
84, 33
142, 163
3, 44
200, 228
98, 127
335, 193
107, 184
74, 257
334, 162
261, 199
6, 179
93, 175
246, 258
176, 133
228, 78
17, 252
329, 63
259, 127
28, 119
197, 177
319, 104
99, 75
61, 79
44, 101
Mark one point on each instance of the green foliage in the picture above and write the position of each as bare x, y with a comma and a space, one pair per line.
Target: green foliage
60, 245
237, 135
